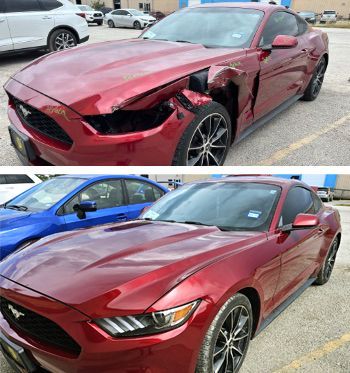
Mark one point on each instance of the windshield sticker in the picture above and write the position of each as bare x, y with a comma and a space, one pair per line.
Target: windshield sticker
254, 214
237, 35
273, 191
151, 215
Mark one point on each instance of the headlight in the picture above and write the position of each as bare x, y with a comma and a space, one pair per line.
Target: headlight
149, 323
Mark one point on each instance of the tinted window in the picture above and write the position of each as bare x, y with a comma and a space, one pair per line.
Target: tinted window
106, 194
18, 179
228, 205
142, 192
2, 179
22, 6
123, 12
299, 200
2, 6
317, 203
280, 23
51, 4
117, 12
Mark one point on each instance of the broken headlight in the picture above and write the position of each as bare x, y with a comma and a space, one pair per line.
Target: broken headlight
149, 323
126, 121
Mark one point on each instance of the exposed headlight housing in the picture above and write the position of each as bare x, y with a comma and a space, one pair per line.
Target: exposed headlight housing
149, 323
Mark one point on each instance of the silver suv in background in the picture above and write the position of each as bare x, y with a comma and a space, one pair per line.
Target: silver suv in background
329, 16
40, 24
91, 15
13, 185
129, 18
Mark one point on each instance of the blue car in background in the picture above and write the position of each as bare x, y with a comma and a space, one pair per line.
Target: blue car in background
71, 202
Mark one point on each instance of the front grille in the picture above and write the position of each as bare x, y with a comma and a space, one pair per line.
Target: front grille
97, 15
37, 326
40, 122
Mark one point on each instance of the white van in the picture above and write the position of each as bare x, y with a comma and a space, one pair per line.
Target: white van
41, 24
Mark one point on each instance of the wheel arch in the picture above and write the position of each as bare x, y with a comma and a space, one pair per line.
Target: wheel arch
255, 301
63, 27
326, 57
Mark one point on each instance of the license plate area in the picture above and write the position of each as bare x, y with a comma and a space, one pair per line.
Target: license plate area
21, 143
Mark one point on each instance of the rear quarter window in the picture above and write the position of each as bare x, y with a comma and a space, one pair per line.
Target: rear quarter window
50, 4
18, 179
16, 6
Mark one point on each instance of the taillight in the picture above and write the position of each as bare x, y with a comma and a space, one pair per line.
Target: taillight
81, 15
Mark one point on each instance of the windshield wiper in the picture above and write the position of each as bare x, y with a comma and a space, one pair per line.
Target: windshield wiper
185, 41
16, 207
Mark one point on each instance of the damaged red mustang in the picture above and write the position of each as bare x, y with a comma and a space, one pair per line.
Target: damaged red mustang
182, 93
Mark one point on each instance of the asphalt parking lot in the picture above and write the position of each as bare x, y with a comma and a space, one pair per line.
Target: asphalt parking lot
308, 133
313, 333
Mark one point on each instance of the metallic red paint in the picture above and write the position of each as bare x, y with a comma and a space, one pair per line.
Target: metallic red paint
136, 267
136, 74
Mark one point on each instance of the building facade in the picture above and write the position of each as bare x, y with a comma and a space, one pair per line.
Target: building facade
342, 7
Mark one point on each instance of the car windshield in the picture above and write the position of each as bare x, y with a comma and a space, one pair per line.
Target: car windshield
135, 12
85, 8
227, 205
329, 12
212, 27
45, 195
306, 14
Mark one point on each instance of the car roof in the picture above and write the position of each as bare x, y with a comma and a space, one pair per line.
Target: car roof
259, 6
263, 179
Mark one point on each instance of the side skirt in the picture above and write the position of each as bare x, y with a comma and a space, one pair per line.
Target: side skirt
277, 311
267, 117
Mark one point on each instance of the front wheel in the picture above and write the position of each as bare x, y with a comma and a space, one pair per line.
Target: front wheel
207, 138
137, 25
315, 85
327, 268
226, 343
62, 39
110, 24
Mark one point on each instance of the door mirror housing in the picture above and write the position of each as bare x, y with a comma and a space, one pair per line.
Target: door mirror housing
302, 221
284, 42
82, 208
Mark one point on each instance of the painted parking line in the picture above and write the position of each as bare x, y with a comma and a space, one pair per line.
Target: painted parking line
316, 354
283, 153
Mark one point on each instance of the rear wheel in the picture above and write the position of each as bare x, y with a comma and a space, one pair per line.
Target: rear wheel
137, 25
226, 343
110, 23
207, 138
328, 265
62, 39
315, 85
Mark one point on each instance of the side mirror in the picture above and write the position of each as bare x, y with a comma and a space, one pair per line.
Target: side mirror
302, 221
284, 41
82, 208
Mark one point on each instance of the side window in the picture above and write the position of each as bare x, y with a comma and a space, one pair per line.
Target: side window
124, 13
2, 6
317, 203
280, 23
2, 179
299, 200
302, 26
142, 192
106, 194
117, 13
50, 4
14, 6
18, 179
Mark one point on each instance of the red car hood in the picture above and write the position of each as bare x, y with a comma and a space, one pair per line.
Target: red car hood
95, 78
123, 268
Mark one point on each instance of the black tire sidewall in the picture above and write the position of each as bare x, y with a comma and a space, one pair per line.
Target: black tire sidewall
206, 353
111, 24
180, 157
54, 35
321, 277
137, 25
308, 95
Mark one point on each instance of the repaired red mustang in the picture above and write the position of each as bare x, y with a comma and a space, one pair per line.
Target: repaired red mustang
182, 289
181, 94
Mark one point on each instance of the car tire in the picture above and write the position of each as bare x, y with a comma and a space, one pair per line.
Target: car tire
327, 267
315, 85
219, 340
62, 39
110, 23
191, 149
137, 25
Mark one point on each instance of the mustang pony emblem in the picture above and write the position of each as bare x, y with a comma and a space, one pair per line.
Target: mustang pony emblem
24, 111
58, 111
15, 313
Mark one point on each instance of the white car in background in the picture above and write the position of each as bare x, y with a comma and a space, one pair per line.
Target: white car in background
13, 185
129, 18
91, 15
329, 16
41, 24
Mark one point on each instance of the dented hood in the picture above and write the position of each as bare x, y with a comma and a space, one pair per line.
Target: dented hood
120, 268
95, 78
